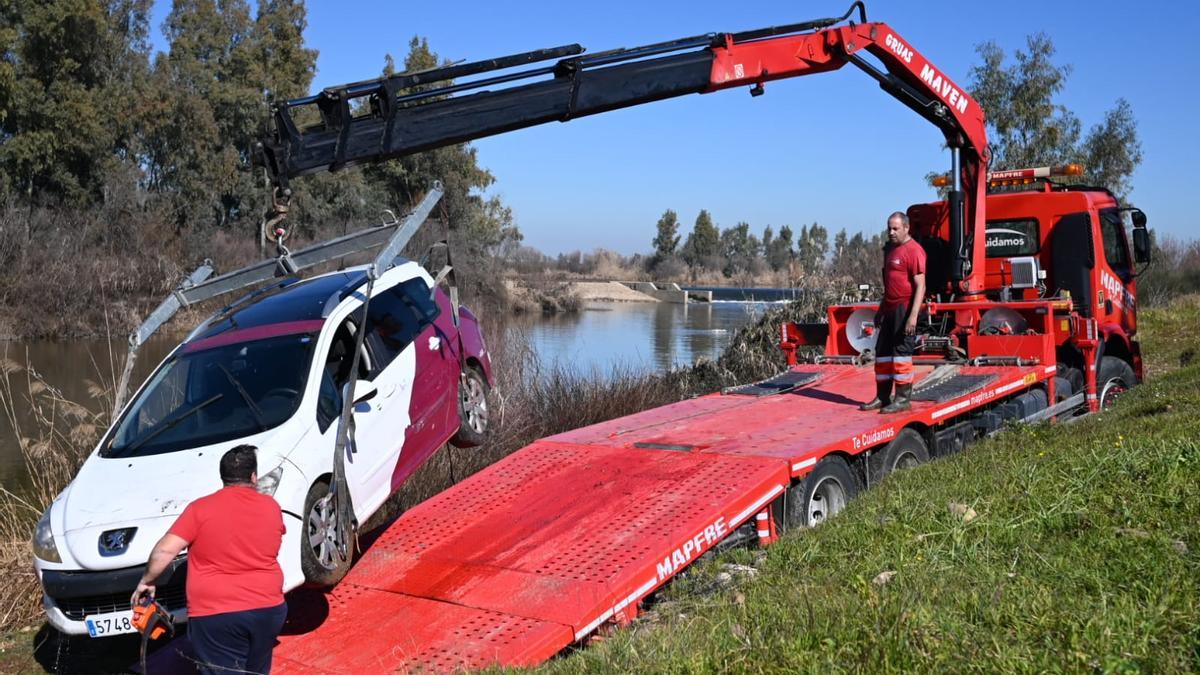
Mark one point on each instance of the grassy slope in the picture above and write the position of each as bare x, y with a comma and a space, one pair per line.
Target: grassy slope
1085, 555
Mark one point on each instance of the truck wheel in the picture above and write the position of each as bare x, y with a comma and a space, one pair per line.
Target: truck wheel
822, 494
1114, 378
1074, 376
905, 451
319, 559
474, 409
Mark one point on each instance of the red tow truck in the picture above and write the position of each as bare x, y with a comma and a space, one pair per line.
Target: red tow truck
1030, 315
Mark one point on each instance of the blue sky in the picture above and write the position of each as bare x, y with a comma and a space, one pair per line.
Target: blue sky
831, 148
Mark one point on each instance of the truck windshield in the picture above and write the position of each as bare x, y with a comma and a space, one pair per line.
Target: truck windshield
213, 395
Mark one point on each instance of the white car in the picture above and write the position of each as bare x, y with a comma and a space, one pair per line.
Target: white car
266, 370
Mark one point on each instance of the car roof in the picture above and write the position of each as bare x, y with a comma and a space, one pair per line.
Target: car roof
292, 301
288, 301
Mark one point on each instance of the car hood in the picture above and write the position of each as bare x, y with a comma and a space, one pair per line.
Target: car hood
148, 493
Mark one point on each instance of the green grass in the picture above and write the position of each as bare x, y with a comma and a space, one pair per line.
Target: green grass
1085, 555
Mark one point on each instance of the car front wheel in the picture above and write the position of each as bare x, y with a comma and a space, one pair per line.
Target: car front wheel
320, 561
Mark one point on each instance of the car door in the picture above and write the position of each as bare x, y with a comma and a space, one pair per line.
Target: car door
400, 348
434, 407
378, 435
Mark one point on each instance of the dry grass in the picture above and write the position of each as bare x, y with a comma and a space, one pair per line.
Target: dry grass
54, 436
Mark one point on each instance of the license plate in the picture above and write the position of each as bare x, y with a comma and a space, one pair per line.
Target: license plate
113, 623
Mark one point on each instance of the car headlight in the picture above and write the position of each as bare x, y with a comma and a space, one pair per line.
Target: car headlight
43, 540
269, 483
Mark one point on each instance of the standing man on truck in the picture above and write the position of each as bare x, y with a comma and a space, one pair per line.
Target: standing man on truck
896, 320
234, 582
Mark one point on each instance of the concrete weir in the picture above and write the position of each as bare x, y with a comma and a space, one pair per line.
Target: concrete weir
668, 292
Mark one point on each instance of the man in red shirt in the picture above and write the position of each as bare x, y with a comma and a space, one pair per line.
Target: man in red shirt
896, 320
234, 582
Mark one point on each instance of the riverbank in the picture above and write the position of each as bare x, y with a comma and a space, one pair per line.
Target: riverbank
559, 294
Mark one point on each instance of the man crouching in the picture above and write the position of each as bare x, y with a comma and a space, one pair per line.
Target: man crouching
234, 582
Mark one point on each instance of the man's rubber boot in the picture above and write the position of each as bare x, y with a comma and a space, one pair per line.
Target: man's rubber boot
901, 402
883, 396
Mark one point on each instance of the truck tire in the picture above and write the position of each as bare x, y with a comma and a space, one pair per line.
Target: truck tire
905, 451
1113, 379
1074, 376
474, 409
319, 560
822, 494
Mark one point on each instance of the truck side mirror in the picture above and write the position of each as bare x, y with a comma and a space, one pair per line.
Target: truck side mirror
1141, 242
1141, 236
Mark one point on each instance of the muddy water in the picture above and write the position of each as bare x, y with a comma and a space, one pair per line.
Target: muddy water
71, 371
604, 336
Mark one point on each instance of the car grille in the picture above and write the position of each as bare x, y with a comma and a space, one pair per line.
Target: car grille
172, 598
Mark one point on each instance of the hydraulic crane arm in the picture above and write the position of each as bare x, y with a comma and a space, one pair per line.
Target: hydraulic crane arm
373, 121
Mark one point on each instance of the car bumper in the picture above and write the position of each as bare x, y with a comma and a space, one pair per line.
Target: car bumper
70, 595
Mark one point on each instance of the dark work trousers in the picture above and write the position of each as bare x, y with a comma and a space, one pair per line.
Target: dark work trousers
236, 642
893, 349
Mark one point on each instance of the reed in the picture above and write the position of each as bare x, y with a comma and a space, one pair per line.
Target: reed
53, 436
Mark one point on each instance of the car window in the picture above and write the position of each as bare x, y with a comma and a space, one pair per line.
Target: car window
415, 292
170, 393
329, 401
213, 395
394, 319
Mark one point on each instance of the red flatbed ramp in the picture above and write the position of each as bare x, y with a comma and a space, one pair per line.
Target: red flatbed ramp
519, 561
526, 557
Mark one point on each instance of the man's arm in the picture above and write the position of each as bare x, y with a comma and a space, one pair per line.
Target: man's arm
166, 550
914, 306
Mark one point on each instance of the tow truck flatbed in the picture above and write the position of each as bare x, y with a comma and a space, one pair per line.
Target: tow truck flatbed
536, 552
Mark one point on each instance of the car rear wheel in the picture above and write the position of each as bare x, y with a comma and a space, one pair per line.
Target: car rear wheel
319, 558
474, 409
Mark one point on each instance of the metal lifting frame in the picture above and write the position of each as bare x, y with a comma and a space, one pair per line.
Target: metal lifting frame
198, 287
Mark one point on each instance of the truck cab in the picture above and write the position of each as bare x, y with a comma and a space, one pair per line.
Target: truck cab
1047, 239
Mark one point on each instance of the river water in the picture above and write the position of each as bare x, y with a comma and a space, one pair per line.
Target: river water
602, 338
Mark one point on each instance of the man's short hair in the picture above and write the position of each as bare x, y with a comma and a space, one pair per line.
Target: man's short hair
239, 464
901, 215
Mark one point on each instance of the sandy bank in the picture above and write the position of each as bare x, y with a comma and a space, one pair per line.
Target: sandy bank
608, 291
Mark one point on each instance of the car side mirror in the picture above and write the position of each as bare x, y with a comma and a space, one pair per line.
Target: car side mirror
364, 391
1139, 218
1141, 241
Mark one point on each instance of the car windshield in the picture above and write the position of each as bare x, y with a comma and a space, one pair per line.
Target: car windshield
213, 395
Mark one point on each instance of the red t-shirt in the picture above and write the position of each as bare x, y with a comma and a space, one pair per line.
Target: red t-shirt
233, 540
900, 264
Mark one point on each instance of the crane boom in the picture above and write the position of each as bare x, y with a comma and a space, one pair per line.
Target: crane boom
382, 119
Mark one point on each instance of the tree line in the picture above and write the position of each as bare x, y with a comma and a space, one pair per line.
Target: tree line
91, 117
737, 252
123, 166
143, 157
